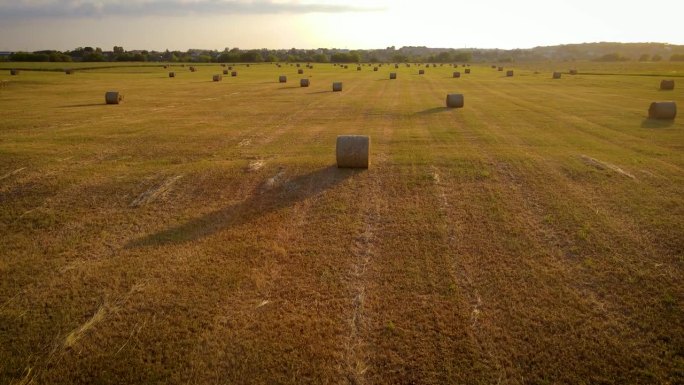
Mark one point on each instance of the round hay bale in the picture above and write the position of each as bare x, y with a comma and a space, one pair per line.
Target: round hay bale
69, 71
230, 68
358, 68
172, 74
454, 101
166, 67
298, 65
457, 74
113, 97
217, 78
396, 66
14, 72
300, 71
493, 66
662, 110
233, 74
393, 75
421, 72
667, 85
282, 79
337, 86
225, 72
192, 69
556, 75
375, 69
509, 73
573, 72
499, 69
304, 83
353, 151
467, 70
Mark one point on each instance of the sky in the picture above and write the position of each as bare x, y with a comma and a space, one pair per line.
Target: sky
30, 25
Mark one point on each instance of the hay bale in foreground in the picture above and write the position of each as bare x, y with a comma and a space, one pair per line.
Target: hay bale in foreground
113, 97
455, 101
667, 85
467, 70
304, 83
662, 110
353, 151
421, 72
217, 78
172, 74
457, 74
509, 73
337, 86
282, 79
393, 75
556, 75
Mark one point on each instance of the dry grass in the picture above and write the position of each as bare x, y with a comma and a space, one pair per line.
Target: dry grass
534, 236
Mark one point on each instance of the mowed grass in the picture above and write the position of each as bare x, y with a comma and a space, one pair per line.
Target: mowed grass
200, 233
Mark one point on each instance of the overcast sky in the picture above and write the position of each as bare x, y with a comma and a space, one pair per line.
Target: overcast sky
216, 24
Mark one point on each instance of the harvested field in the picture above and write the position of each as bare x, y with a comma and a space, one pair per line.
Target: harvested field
533, 236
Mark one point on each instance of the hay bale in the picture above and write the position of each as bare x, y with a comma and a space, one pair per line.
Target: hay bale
393, 75
662, 110
172, 74
457, 74
225, 72
300, 72
499, 69
358, 68
454, 101
298, 65
353, 151
282, 79
667, 85
304, 83
217, 78
493, 66
421, 72
14, 72
467, 70
113, 97
556, 75
509, 73
192, 69
573, 72
375, 69
69, 71
337, 86
233, 74
230, 68
396, 66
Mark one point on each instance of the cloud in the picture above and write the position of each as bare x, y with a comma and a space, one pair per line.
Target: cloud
29, 9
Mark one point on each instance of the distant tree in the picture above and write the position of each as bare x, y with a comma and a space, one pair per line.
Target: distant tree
610, 57
119, 50
443, 57
645, 57
677, 57
399, 58
321, 58
463, 57
271, 58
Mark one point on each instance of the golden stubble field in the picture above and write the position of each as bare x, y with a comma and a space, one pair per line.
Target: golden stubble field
200, 233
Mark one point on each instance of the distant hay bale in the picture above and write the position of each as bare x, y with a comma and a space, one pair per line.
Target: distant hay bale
509, 73
172, 74
493, 66
375, 69
282, 79
304, 83
467, 70
192, 69
358, 68
457, 74
337, 86
113, 97
298, 65
353, 151
454, 101
217, 78
230, 68
14, 72
396, 66
225, 72
556, 75
223, 65
233, 74
662, 110
69, 71
166, 67
500, 69
300, 71
421, 72
393, 75
667, 85
573, 72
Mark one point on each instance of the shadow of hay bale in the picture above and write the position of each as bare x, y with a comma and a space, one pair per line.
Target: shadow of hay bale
261, 202
656, 123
